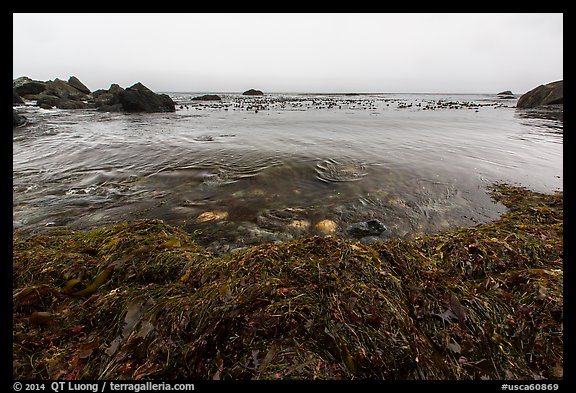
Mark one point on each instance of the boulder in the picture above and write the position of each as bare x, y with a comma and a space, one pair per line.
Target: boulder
253, 92
366, 228
17, 119
207, 97
47, 101
63, 89
16, 99
75, 82
549, 94
108, 100
24, 86
138, 98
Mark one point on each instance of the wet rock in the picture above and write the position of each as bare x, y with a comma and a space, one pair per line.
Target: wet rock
301, 225
279, 219
138, 98
212, 216
50, 101
366, 228
16, 99
253, 92
549, 94
367, 240
17, 119
326, 226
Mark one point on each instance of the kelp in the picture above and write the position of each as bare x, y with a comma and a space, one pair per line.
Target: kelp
141, 300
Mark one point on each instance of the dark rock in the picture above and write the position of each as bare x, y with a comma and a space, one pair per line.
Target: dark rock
47, 101
16, 99
138, 98
253, 92
111, 108
25, 86
107, 100
62, 89
71, 104
505, 93
207, 97
17, 119
366, 228
549, 94
75, 82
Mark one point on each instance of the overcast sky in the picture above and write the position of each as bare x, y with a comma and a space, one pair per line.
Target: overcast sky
349, 52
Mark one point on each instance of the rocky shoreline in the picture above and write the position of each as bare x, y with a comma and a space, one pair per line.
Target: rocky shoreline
73, 94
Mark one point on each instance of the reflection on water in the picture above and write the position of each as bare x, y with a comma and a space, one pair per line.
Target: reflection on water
246, 170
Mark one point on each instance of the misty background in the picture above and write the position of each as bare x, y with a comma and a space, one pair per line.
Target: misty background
349, 52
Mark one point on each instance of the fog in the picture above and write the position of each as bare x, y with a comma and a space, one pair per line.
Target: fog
355, 52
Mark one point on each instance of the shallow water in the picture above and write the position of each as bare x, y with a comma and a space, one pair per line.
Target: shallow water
273, 167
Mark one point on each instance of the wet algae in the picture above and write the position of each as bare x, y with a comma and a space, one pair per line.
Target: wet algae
141, 300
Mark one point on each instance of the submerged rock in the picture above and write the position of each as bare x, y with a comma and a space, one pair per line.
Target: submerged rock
326, 226
366, 228
215, 215
17, 119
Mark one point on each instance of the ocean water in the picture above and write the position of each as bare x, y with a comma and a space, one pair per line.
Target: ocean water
247, 170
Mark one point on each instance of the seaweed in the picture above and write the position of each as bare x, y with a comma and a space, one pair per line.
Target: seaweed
141, 300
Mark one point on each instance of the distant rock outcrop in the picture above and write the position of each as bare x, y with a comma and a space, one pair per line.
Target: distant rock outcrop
253, 92
138, 98
505, 93
548, 94
207, 97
